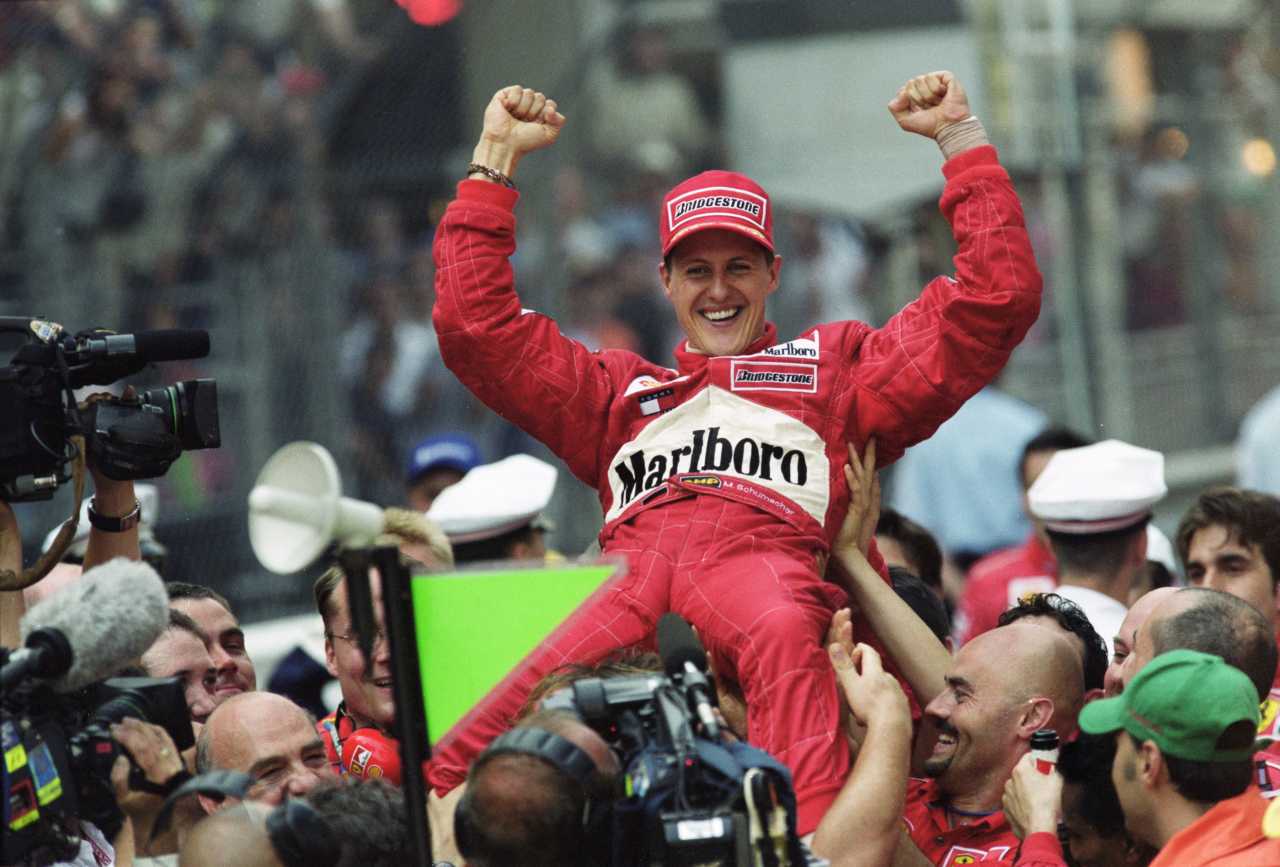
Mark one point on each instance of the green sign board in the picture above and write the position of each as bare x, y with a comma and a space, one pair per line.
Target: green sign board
474, 627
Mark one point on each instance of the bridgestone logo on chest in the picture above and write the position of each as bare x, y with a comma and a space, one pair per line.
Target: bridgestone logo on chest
708, 451
773, 376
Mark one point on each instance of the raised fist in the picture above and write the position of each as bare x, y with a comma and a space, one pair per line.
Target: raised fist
928, 104
521, 120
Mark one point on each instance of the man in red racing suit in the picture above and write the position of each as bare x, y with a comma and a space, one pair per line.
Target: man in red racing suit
720, 480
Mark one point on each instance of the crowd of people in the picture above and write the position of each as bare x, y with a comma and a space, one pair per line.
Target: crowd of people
895, 685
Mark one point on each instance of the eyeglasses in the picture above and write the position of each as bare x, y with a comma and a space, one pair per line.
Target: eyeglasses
379, 636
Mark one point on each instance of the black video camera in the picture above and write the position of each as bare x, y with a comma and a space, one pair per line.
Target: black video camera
127, 438
58, 755
689, 799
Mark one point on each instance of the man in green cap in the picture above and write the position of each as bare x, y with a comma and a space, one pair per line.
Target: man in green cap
1183, 764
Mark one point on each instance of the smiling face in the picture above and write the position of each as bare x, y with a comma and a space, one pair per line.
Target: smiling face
226, 645
718, 281
366, 688
179, 653
976, 717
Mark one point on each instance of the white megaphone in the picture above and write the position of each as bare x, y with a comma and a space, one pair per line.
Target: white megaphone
296, 509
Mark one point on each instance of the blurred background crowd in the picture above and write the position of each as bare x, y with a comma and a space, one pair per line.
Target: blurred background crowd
272, 172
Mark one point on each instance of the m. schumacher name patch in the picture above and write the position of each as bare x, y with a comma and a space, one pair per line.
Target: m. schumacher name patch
773, 376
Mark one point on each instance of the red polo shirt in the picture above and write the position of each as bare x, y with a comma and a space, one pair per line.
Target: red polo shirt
987, 839
997, 581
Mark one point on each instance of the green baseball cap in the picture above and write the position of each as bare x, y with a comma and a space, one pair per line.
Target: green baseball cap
1182, 700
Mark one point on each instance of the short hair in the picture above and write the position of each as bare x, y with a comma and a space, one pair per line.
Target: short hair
1226, 626
495, 547
1086, 762
323, 589
178, 620
769, 256
542, 824
407, 525
1070, 617
204, 741
367, 820
1211, 782
917, 542
184, 590
1093, 553
1051, 439
1251, 517
922, 600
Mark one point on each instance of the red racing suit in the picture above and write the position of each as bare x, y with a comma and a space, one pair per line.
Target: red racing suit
720, 480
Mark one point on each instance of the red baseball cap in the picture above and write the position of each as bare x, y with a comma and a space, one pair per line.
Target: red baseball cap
716, 200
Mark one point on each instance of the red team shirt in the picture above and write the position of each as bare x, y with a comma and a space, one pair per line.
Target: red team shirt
998, 580
988, 839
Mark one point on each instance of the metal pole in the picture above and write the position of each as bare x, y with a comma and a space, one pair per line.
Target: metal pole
411, 713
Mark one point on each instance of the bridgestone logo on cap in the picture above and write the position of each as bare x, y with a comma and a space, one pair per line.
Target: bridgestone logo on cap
717, 202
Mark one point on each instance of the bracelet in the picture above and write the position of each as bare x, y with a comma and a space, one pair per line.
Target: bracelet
492, 174
109, 524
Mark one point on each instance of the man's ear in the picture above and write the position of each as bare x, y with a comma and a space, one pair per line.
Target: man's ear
775, 274
210, 805
1036, 715
665, 275
330, 657
1152, 768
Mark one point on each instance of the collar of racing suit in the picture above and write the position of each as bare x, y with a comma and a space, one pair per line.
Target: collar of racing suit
688, 361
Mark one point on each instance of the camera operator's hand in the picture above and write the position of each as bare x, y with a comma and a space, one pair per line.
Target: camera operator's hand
113, 500
156, 756
1032, 800
12, 605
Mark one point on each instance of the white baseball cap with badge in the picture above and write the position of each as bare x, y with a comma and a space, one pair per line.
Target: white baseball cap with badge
1099, 488
496, 498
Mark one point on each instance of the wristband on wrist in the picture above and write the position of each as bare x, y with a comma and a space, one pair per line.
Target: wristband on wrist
961, 136
110, 524
492, 174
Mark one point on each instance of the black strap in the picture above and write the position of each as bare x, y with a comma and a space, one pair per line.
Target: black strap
562, 753
221, 784
139, 782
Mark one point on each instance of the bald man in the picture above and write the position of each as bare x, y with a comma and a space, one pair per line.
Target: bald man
269, 738
1126, 637
1002, 687
239, 830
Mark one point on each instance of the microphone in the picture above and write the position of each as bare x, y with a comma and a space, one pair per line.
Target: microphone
91, 629
165, 344
369, 754
685, 661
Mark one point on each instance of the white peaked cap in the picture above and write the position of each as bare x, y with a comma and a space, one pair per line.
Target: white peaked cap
1095, 489
494, 499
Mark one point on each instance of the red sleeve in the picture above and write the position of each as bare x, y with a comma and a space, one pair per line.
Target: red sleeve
913, 373
517, 362
1041, 849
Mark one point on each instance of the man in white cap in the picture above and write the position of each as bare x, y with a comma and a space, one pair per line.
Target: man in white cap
495, 511
1095, 503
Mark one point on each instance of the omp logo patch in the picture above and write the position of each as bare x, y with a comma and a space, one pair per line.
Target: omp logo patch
773, 376
716, 432
717, 202
702, 481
